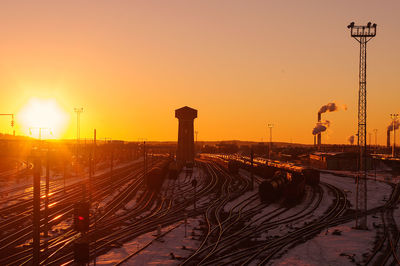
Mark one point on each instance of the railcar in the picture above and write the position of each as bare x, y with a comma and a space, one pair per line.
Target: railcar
271, 190
155, 177
294, 189
312, 176
233, 167
173, 170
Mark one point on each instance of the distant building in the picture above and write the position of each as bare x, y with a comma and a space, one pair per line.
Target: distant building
337, 161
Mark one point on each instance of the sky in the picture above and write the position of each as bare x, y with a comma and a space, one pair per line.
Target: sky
241, 64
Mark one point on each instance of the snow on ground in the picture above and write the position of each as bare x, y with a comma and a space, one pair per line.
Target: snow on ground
159, 251
270, 213
200, 176
344, 247
339, 245
239, 200
377, 191
23, 185
151, 251
348, 246
382, 174
305, 205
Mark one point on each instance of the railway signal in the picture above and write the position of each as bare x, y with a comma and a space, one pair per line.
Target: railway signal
12, 121
81, 216
81, 252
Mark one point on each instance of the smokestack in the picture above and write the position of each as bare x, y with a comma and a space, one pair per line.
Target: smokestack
330, 107
319, 134
388, 138
351, 139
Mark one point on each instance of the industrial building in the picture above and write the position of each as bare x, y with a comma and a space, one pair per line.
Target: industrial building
337, 161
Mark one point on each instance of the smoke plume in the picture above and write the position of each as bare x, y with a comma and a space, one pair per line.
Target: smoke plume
320, 127
351, 139
331, 107
396, 125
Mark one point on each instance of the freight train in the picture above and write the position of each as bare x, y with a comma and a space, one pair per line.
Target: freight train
283, 184
156, 176
266, 168
281, 179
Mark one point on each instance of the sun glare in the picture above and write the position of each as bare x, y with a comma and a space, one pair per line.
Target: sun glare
43, 117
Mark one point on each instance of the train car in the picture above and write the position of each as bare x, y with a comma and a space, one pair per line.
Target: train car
155, 177
265, 171
233, 167
173, 170
294, 189
271, 190
312, 176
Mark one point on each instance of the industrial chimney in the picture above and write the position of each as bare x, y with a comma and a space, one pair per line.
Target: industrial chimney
388, 139
319, 134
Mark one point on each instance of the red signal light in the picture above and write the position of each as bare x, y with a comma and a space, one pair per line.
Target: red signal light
81, 216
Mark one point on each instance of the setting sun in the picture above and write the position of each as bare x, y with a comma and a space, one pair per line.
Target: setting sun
43, 115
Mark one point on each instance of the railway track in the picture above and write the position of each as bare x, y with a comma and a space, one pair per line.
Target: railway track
159, 210
10, 245
230, 239
385, 251
238, 244
237, 229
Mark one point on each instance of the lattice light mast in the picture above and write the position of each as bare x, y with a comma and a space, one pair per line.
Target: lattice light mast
362, 34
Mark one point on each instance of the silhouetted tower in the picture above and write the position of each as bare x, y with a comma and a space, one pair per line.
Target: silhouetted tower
362, 34
186, 116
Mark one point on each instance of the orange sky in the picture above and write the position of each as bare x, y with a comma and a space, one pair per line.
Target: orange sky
242, 64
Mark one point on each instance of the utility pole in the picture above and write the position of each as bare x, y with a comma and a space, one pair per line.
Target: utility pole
47, 185
270, 140
144, 161
376, 138
90, 174
112, 161
65, 171
94, 151
144, 158
369, 135
78, 112
251, 172
362, 34
46, 199
394, 120
36, 209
